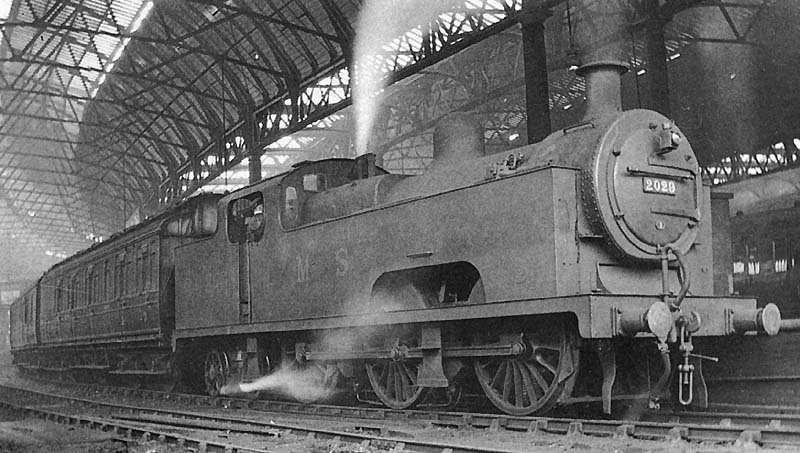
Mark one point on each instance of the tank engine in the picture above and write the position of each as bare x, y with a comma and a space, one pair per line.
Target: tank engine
597, 239
575, 269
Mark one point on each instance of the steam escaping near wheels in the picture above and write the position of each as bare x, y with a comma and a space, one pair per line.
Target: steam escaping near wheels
304, 385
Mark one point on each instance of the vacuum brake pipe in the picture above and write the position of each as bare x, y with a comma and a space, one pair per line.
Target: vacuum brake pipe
686, 281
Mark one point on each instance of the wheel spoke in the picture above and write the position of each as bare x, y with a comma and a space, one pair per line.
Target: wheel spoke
538, 377
518, 393
405, 380
498, 376
508, 381
384, 379
405, 373
398, 384
533, 391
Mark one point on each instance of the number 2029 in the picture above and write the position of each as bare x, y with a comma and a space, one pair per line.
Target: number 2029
659, 186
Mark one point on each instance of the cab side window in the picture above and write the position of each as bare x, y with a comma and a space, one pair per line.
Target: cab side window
246, 218
290, 208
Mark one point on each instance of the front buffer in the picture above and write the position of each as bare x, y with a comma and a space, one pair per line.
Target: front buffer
620, 316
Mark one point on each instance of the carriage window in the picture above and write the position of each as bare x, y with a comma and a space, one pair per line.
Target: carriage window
90, 286
59, 294
153, 266
74, 293
80, 296
119, 276
107, 282
246, 219
136, 268
130, 271
71, 293
67, 298
144, 269
98, 285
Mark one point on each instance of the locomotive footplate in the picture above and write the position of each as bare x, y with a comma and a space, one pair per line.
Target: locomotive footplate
599, 315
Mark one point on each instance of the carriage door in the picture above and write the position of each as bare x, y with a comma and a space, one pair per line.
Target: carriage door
245, 230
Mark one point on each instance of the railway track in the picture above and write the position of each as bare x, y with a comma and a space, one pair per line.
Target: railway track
720, 427
151, 423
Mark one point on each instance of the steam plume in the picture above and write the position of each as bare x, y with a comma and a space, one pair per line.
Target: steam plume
301, 384
380, 22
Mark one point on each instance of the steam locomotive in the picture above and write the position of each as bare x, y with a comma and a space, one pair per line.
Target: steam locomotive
579, 268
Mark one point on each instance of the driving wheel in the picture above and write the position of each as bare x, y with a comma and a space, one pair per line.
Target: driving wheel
215, 371
394, 380
533, 380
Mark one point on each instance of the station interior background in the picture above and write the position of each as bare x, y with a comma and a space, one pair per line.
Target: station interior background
113, 110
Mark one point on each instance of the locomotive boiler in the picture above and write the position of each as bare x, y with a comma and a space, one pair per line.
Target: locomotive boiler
575, 269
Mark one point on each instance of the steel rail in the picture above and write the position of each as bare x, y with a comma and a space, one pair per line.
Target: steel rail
755, 420
168, 417
765, 429
128, 432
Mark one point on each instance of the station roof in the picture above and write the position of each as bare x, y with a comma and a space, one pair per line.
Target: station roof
113, 108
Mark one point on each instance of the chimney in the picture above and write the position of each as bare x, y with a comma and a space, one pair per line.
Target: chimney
603, 86
600, 36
